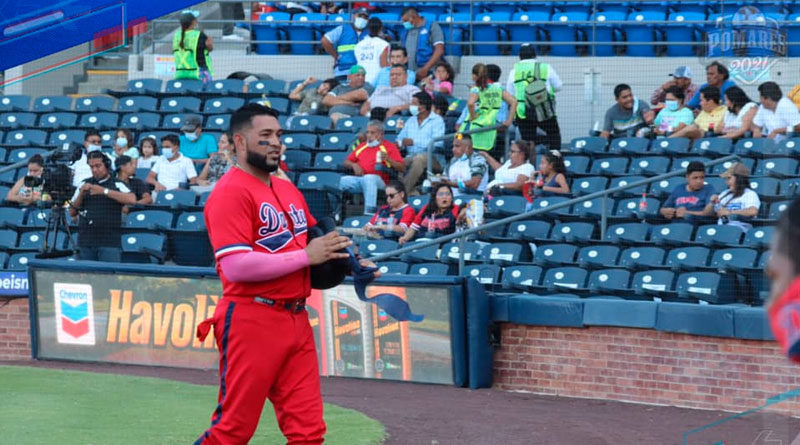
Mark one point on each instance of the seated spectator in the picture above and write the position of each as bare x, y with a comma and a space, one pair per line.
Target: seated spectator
311, 100
418, 131
397, 55
484, 104
372, 162
126, 170
393, 219
393, 99
739, 117
439, 217
219, 164
346, 100
681, 79
691, 199
194, 144
173, 168
372, 52
794, 95
777, 115
739, 203
512, 175
628, 117
123, 145
710, 119
551, 179
717, 76
148, 153
468, 171
674, 116
21, 193
92, 141
423, 39
441, 82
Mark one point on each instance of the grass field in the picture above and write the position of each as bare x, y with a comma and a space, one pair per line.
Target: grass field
46, 406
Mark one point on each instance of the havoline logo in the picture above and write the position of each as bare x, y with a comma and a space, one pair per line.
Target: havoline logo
74, 313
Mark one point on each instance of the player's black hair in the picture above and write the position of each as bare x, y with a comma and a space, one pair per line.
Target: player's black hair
620, 88
90, 133
172, 138
695, 166
711, 93
243, 117
374, 26
399, 48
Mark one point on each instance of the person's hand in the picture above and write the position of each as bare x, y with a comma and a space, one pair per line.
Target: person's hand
327, 247
403, 239
668, 213
407, 142
368, 263
421, 73
96, 190
772, 134
159, 187
310, 80
203, 182
723, 212
357, 170
392, 111
680, 212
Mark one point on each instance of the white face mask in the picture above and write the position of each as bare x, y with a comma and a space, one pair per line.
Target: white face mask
413, 109
373, 143
360, 23
167, 152
93, 147
122, 142
191, 136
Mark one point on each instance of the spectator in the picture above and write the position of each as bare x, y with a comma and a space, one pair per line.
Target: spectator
468, 171
512, 175
424, 41
417, 133
777, 115
123, 145
126, 170
373, 163
346, 100
397, 55
628, 117
92, 141
442, 80
485, 100
340, 43
148, 153
710, 119
674, 116
21, 193
739, 201
439, 217
739, 115
173, 168
194, 144
190, 48
716, 76
794, 95
393, 99
231, 11
219, 164
692, 199
535, 110
681, 79
311, 100
393, 219
99, 202
372, 52
552, 176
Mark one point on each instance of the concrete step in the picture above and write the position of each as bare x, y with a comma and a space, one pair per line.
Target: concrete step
99, 80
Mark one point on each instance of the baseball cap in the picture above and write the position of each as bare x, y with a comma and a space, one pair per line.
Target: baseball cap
191, 123
122, 160
357, 69
361, 11
737, 169
682, 71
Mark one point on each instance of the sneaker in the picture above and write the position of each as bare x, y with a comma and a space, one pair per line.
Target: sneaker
233, 38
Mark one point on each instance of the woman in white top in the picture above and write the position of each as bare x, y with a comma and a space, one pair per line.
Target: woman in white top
514, 172
372, 52
739, 117
739, 201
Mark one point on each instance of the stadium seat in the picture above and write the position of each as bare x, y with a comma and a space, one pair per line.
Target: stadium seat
640, 31
631, 208
268, 87
650, 166
687, 258
356, 222
331, 161
664, 188
454, 27
336, 141
505, 253
141, 121
641, 257
15, 102
622, 181
778, 167
183, 86
355, 124
563, 278
759, 237
174, 121
418, 202
736, 258
175, 199
680, 29
429, 254
279, 104
671, 146
95, 103
393, 267
653, 282
546, 202
560, 30
609, 280
464, 199
19, 261
144, 86
17, 119
776, 208
225, 86
188, 242
577, 164
555, 254
11, 217
8, 177
220, 122
143, 248
322, 193
600, 256
528, 230
271, 28
507, 205
66, 136
627, 233
786, 147
47, 104
630, 146
573, 232
428, 269
37, 217
760, 148
594, 207
589, 145
303, 141
309, 124
718, 234
712, 147
180, 104
98, 120
701, 285
30, 241
720, 168
589, 184
26, 138
521, 277
132, 104
8, 239
220, 105
609, 166
297, 160
486, 274
766, 187
487, 32
23, 154
153, 220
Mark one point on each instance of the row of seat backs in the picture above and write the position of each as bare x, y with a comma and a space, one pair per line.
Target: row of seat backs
710, 147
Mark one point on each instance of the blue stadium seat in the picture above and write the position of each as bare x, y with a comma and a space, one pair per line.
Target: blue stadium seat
507, 205
664, 188
454, 27
309, 124
23, 154
717, 183
303, 141
641, 257
336, 141
671, 146
95, 103
391, 126
587, 185
144, 86
132, 104
393, 267
486, 274
521, 277
528, 230
179, 104
653, 282
143, 248
188, 243
8, 177
776, 208
609, 280
418, 202
563, 278
701, 285
33, 241
650, 166
560, 30
793, 31
141, 121
302, 29
270, 28
590, 145
573, 232
505, 253
225, 86
720, 168
219, 122
220, 105
428, 269
712, 147
464, 199
555, 254
356, 222
687, 258
599, 256
322, 192
37, 217
594, 207
486, 33
11, 217
736, 258
760, 148
718, 234
279, 104
546, 202
766, 187
630, 146
98, 120
609, 166
778, 167
183, 86
174, 121
788, 147
3, 260
175, 199
66, 136
759, 237
19, 261
332, 161
8, 239
627, 233
605, 30
639, 31
25, 138
680, 30
297, 160
15, 102
45, 104
422, 254
625, 180
17, 119
354, 124
268, 87
153, 220
631, 208
577, 164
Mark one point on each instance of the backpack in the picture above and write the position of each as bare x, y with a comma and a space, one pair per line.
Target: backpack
537, 98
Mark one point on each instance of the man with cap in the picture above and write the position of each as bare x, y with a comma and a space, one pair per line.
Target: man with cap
194, 144
681, 78
126, 170
346, 100
340, 43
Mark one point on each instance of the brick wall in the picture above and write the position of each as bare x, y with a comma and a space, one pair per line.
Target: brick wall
15, 334
647, 366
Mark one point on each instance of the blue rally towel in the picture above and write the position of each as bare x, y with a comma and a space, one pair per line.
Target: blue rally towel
390, 303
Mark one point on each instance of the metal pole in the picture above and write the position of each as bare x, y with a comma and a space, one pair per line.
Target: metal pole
461, 255
604, 218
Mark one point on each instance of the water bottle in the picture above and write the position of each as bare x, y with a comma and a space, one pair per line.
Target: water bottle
710, 132
390, 224
643, 206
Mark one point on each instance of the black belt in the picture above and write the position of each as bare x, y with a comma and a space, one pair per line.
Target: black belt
293, 306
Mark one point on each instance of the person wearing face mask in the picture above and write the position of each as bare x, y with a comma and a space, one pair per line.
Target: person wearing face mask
173, 168
709, 120
123, 146
674, 116
340, 43
739, 117
418, 131
373, 163
92, 141
681, 78
218, 165
468, 172
424, 41
194, 144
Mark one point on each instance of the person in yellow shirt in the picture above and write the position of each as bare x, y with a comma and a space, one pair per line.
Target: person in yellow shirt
794, 96
710, 118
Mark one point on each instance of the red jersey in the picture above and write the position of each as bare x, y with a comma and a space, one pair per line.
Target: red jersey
365, 156
403, 216
436, 225
244, 214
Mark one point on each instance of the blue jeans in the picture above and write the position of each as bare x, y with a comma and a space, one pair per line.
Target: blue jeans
108, 254
368, 185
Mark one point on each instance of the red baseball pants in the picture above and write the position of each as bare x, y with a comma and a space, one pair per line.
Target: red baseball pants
265, 352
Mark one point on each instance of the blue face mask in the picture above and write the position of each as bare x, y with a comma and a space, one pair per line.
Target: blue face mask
167, 152
413, 109
191, 136
360, 23
672, 105
122, 142
408, 26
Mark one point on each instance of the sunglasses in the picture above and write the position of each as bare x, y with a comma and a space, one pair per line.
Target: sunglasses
391, 195
443, 194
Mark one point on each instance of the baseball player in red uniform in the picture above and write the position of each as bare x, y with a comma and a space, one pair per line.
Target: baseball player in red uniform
258, 227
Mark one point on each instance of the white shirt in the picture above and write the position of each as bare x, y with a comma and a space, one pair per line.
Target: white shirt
748, 199
506, 174
784, 116
81, 170
171, 173
368, 54
147, 163
460, 170
553, 81
732, 121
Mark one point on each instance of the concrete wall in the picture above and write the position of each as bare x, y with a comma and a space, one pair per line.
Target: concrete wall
48, 83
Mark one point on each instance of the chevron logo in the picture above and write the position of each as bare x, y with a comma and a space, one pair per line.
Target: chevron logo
74, 313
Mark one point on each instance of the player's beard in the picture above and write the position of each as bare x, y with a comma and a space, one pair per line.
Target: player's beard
259, 161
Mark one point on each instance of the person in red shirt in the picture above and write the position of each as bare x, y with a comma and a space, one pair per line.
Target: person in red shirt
393, 219
258, 226
439, 217
373, 163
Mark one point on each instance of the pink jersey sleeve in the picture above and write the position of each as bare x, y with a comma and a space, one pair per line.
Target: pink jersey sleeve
259, 266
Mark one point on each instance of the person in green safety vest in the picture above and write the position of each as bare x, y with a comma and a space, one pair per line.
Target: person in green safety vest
190, 48
484, 102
